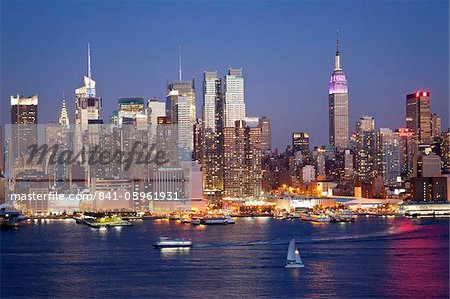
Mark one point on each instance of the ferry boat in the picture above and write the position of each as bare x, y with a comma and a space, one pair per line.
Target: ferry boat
320, 218
305, 216
293, 259
9, 216
215, 220
230, 220
166, 242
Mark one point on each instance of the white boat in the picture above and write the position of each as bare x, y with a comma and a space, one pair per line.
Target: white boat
215, 220
293, 259
320, 218
164, 242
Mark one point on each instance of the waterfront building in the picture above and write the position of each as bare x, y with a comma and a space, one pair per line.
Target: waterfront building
115, 194
155, 109
388, 144
427, 165
300, 142
242, 161
430, 189
211, 145
445, 151
418, 116
365, 148
234, 101
266, 135
338, 104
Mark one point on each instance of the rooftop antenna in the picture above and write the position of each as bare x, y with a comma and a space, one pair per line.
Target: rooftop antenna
179, 61
337, 40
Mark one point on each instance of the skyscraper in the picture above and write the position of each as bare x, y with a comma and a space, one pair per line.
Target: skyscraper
234, 102
338, 104
155, 109
180, 107
242, 161
212, 136
266, 135
388, 144
365, 148
407, 150
24, 117
300, 142
63, 116
87, 105
418, 117
129, 108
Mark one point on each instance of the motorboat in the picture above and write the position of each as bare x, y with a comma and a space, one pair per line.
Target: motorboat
165, 242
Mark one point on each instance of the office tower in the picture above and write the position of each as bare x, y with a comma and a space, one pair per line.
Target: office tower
365, 148
155, 109
418, 117
300, 142
128, 108
63, 116
242, 161
388, 144
212, 137
87, 105
180, 107
24, 118
445, 151
234, 101
266, 135
338, 104
167, 139
407, 150
435, 125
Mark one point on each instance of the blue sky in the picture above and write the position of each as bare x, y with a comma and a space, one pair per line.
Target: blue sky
389, 49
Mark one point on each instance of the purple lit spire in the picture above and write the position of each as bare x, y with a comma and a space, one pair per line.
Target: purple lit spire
338, 82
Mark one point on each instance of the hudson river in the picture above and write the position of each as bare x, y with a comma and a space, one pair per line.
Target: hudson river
373, 257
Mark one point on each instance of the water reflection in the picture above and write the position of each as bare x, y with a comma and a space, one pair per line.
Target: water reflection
174, 251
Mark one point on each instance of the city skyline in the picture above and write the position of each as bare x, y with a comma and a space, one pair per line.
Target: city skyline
263, 80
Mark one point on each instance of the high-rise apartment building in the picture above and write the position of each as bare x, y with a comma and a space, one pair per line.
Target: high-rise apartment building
234, 101
242, 161
338, 104
418, 116
365, 148
212, 136
435, 125
389, 150
407, 149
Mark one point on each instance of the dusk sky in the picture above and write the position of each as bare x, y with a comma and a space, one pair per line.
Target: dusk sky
389, 49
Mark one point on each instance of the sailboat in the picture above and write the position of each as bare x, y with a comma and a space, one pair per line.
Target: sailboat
293, 259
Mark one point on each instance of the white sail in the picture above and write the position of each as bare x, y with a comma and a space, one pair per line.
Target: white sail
291, 251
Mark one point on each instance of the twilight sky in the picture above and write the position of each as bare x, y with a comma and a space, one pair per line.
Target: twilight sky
388, 48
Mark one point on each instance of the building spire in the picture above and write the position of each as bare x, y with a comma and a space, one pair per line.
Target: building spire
337, 58
179, 62
89, 62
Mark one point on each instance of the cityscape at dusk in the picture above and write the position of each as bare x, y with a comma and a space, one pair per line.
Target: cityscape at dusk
269, 149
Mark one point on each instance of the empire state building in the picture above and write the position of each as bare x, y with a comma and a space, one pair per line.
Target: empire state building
338, 104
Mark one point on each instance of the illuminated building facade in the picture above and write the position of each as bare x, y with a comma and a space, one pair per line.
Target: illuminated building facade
418, 116
338, 105
365, 148
234, 102
300, 142
388, 144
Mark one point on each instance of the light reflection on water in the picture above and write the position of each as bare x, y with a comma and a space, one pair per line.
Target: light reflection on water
243, 260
